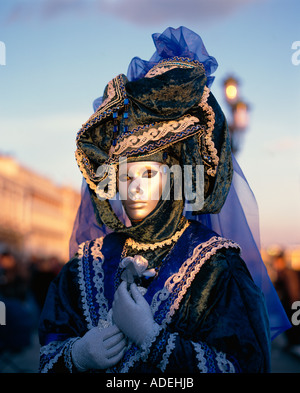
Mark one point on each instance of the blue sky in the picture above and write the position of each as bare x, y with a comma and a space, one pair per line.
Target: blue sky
61, 53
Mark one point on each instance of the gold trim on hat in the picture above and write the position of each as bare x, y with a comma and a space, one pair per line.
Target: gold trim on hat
154, 134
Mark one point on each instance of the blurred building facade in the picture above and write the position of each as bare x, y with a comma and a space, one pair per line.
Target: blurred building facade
36, 215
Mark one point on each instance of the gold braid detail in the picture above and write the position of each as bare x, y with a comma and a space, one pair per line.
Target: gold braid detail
211, 150
149, 246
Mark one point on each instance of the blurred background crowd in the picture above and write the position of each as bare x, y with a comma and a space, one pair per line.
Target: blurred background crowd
23, 288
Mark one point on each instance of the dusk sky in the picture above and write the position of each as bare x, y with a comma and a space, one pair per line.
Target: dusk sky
60, 54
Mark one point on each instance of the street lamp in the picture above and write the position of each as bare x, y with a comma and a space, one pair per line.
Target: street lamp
239, 112
231, 86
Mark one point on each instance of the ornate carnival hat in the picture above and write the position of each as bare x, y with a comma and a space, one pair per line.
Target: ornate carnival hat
165, 113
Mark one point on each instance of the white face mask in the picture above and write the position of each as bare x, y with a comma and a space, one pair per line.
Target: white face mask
140, 186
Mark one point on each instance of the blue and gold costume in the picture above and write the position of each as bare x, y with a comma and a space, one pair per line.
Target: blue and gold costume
210, 314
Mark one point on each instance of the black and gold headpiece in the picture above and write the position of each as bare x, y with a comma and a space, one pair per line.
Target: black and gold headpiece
170, 111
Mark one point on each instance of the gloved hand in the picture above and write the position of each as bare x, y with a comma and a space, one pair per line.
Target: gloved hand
99, 349
133, 315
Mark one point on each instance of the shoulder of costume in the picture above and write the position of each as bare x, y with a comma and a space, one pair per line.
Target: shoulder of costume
201, 244
219, 250
113, 241
201, 234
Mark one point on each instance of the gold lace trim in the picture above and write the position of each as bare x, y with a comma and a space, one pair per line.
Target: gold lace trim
92, 177
115, 97
211, 150
79, 155
154, 134
110, 95
111, 184
169, 64
149, 246
159, 71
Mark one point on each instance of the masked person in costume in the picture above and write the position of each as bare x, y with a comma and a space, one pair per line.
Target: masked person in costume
158, 291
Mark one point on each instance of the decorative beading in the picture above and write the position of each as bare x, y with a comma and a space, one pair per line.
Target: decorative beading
116, 96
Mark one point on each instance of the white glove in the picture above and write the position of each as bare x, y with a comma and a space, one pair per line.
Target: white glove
133, 314
99, 349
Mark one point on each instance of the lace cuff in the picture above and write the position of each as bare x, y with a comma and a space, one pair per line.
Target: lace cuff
158, 350
57, 354
148, 342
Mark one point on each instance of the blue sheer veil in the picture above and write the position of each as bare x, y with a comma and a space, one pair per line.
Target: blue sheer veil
238, 220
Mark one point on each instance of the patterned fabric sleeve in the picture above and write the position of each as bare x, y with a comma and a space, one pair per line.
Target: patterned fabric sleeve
61, 322
171, 353
212, 361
